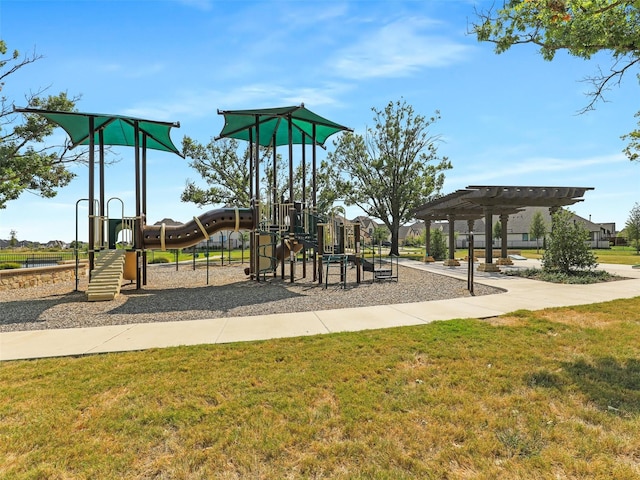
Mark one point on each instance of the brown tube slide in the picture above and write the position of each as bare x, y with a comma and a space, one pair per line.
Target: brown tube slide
161, 237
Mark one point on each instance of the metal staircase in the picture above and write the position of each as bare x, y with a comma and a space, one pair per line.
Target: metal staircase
106, 277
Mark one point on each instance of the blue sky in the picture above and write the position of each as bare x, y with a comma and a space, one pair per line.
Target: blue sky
507, 119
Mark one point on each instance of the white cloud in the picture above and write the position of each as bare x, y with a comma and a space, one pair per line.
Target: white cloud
204, 5
397, 49
197, 104
531, 170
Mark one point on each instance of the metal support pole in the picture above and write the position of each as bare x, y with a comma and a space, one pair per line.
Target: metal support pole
292, 238
358, 263
314, 169
101, 183
250, 163
274, 187
75, 249
208, 239
320, 251
143, 219
137, 223
470, 264
92, 212
290, 131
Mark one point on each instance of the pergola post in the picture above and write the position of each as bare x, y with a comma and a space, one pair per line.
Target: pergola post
504, 257
488, 266
451, 261
427, 241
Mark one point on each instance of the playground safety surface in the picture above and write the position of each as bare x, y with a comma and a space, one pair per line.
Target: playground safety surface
183, 294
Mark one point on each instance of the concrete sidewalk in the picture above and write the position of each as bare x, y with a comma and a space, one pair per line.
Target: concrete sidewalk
519, 293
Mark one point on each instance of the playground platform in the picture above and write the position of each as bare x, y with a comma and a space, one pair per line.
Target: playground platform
520, 293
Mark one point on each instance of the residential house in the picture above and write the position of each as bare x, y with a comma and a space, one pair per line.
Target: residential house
518, 226
409, 233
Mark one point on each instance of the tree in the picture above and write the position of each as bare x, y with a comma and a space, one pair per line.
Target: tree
632, 227
379, 235
581, 27
325, 193
222, 168
568, 247
391, 170
497, 230
13, 239
244, 238
26, 164
537, 229
227, 174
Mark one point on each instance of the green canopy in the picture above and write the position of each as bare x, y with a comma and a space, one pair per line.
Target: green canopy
241, 124
117, 129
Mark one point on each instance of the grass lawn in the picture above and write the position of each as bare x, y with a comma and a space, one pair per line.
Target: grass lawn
615, 255
545, 394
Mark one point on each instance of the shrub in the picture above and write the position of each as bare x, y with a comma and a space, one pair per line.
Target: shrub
9, 265
568, 249
158, 260
438, 245
580, 277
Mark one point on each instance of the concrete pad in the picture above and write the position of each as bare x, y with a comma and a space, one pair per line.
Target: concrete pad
56, 342
167, 334
365, 318
262, 327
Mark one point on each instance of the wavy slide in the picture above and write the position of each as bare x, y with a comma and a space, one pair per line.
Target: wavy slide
161, 237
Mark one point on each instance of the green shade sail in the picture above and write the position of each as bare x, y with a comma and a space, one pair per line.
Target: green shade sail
241, 124
117, 129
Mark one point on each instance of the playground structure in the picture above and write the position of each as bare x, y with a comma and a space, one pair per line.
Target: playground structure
280, 230
114, 265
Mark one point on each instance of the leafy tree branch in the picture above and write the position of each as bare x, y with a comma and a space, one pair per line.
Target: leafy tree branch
580, 27
27, 162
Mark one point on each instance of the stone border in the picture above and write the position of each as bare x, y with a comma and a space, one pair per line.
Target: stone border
32, 277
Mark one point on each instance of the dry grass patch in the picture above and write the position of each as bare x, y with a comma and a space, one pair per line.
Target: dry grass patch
578, 319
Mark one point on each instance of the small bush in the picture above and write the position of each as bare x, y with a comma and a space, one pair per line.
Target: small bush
9, 265
576, 277
438, 245
568, 250
158, 260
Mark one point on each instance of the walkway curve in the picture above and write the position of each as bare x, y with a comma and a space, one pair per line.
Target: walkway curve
519, 294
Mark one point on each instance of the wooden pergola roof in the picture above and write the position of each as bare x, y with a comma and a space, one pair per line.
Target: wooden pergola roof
474, 202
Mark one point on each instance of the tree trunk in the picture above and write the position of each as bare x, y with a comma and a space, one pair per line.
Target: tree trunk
395, 227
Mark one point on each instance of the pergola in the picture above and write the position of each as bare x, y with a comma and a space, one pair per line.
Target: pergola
475, 202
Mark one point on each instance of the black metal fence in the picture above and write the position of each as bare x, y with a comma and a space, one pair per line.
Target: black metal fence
44, 259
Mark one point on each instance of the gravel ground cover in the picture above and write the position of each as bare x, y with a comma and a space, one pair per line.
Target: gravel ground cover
183, 294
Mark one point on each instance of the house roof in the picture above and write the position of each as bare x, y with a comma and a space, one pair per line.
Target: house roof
168, 222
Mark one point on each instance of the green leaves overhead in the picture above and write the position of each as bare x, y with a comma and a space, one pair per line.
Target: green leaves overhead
226, 173
580, 27
392, 169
